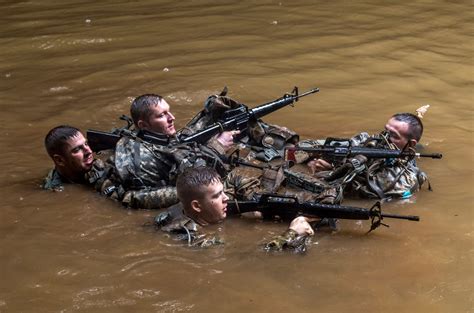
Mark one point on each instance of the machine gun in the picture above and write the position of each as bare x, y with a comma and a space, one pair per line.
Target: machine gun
234, 119
288, 207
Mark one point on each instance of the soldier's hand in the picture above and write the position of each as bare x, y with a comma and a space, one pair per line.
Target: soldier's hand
318, 165
301, 226
226, 139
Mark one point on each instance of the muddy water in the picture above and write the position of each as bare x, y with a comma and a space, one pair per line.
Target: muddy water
81, 63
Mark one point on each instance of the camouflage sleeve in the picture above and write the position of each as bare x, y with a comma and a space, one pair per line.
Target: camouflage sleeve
289, 240
150, 198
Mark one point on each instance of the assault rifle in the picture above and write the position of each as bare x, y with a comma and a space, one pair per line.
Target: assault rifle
340, 152
238, 119
234, 119
100, 140
288, 207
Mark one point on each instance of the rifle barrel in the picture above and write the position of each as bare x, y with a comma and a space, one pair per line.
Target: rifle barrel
430, 155
402, 217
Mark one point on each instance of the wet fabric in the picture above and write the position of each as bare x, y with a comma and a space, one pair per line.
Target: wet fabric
183, 228
54, 181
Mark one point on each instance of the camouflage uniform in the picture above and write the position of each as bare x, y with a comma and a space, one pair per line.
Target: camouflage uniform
183, 228
147, 172
289, 240
54, 181
95, 177
379, 178
386, 178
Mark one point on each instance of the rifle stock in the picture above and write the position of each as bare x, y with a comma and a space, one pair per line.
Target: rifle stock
99, 140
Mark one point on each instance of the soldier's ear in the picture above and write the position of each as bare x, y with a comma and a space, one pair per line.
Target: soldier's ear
412, 143
196, 206
142, 124
58, 160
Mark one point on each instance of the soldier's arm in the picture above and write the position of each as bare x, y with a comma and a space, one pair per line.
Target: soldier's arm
294, 237
150, 198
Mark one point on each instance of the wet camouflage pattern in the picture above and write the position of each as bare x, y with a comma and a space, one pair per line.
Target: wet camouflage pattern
95, 177
53, 181
183, 228
150, 198
139, 164
289, 240
268, 139
147, 172
241, 187
377, 178
386, 178
395, 178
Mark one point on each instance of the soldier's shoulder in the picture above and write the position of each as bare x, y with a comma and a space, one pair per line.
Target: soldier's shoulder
53, 181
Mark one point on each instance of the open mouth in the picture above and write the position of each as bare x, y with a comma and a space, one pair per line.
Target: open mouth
89, 160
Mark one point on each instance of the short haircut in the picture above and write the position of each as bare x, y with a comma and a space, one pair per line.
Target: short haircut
414, 122
56, 139
141, 107
191, 183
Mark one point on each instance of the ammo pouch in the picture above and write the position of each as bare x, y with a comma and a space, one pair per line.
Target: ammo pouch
193, 154
271, 136
270, 140
214, 108
272, 179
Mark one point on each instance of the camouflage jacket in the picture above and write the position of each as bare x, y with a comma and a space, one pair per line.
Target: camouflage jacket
385, 178
182, 228
103, 179
95, 177
54, 181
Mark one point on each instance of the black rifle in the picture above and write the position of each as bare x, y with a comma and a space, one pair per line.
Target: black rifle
238, 119
288, 207
340, 152
234, 119
99, 140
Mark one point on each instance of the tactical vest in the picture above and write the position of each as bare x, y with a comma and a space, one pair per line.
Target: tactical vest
141, 164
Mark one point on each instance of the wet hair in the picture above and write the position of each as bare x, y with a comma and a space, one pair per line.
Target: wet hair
56, 139
141, 107
414, 123
191, 183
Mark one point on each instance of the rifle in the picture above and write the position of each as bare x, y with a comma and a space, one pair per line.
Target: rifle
100, 140
288, 207
238, 119
234, 119
340, 152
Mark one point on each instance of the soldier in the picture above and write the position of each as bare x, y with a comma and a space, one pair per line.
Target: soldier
147, 171
142, 166
392, 177
203, 202
72, 157
152, 113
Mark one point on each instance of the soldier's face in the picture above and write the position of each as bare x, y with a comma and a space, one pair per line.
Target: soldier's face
160, 120
214, 204
77, 157
399, 133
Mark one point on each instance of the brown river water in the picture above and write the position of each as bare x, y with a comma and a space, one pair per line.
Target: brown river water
81, 62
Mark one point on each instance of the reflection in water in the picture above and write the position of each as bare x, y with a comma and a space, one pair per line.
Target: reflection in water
81, 63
